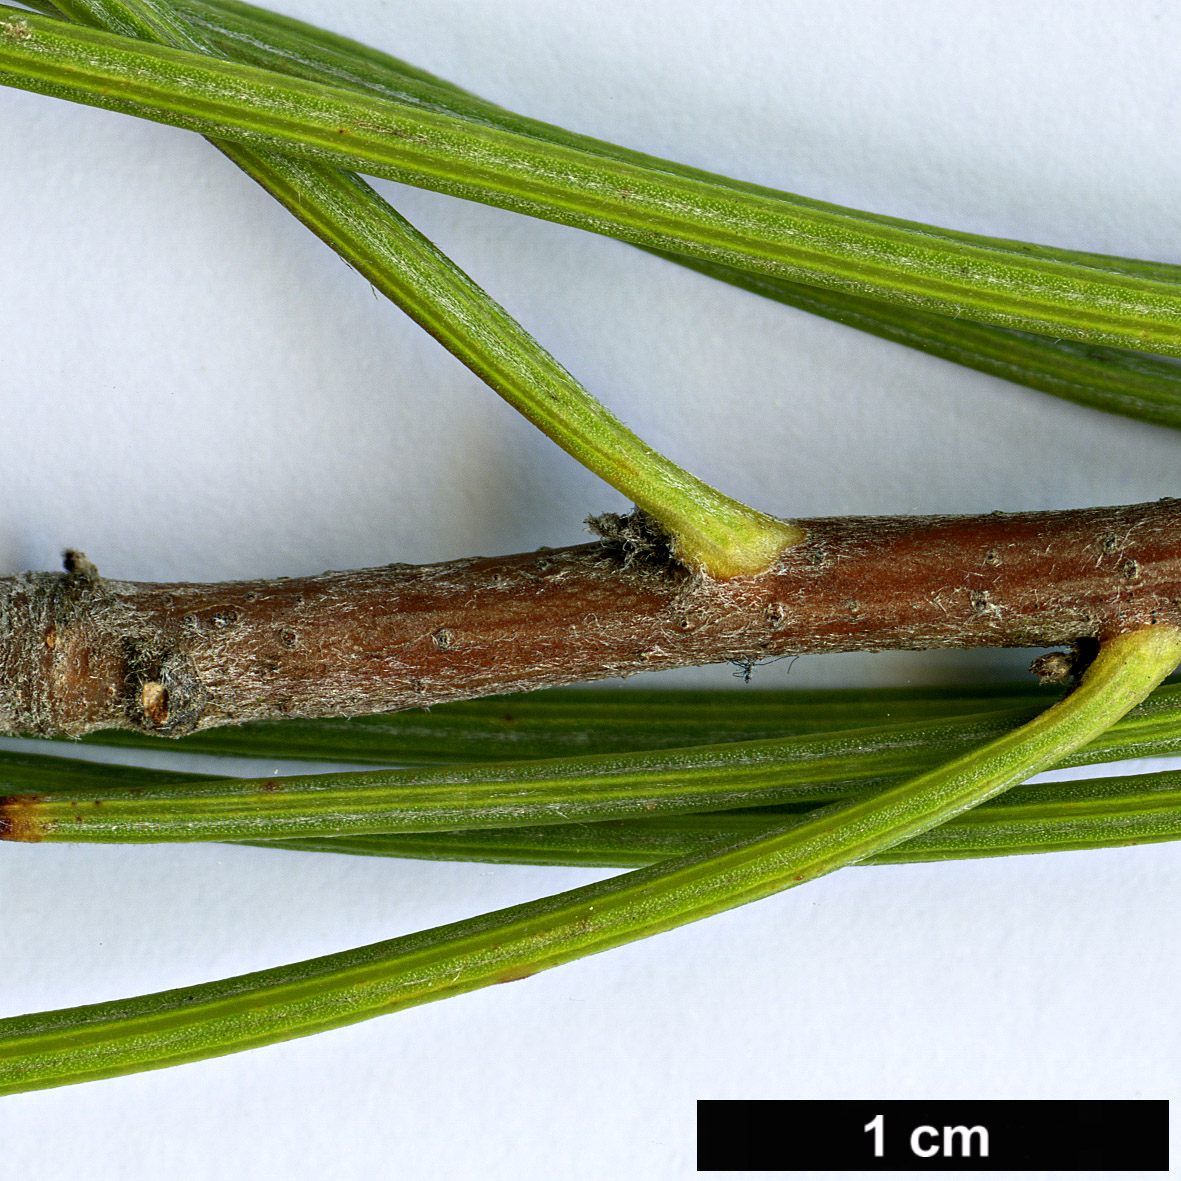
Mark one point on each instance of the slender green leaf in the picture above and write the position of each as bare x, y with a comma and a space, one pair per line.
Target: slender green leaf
1078, 814
1117, 381
782, 236
272, 41
798, 770
556, 722
495, 795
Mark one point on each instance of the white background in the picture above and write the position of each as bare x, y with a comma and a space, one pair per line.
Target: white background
192, 387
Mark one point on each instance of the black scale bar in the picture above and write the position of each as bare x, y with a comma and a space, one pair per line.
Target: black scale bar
905, 1135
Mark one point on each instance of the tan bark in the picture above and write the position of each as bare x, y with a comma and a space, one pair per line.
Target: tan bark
80, 653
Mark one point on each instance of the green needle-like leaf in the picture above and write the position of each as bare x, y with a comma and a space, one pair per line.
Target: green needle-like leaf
272, 41
1078, 814
789, 238
551, 723
182, 1025
495, 795
1117, 381
604, 721
799, 770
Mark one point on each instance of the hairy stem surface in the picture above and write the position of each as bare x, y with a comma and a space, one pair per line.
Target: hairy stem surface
80, 653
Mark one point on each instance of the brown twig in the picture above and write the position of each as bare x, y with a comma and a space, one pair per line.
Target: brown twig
80, 653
